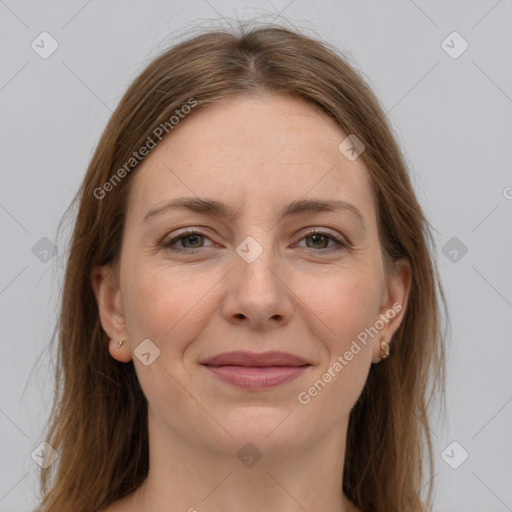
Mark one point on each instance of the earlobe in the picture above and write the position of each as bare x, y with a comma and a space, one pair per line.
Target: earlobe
381, 348
110, 310
120, 350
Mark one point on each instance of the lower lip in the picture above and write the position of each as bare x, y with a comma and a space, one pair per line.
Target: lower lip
250, 377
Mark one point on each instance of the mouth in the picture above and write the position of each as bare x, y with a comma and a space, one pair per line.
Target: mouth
256, 371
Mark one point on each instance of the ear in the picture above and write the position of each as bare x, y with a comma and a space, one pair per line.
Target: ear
393, 304
105, 283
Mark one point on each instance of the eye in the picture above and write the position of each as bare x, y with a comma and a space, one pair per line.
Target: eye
320, 238
190, 241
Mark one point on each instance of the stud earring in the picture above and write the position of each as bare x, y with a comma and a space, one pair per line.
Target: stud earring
384, 345
119, 343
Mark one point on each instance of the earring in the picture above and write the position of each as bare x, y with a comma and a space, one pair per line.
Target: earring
119, 343
384, 345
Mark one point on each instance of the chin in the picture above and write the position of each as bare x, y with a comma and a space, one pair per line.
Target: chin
273, 430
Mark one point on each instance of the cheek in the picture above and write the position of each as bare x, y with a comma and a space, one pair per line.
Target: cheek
171, 308
345, 310
346, 303
346, 306
165, 304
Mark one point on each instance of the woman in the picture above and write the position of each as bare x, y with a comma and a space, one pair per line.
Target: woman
250, 317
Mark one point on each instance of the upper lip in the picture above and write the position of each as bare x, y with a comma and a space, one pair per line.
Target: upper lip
254, 359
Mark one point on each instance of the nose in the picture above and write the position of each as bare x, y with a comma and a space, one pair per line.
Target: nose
259, 292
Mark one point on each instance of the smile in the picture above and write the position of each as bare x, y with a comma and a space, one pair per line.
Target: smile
257, 377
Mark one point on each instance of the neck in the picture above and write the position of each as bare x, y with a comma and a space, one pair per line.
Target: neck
191, 477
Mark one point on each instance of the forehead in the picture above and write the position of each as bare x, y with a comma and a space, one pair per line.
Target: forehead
253, 152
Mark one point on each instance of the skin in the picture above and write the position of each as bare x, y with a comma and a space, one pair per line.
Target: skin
299, 296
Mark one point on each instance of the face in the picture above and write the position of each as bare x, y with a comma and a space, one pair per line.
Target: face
255, 276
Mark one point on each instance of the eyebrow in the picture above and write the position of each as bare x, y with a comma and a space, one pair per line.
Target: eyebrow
218, 209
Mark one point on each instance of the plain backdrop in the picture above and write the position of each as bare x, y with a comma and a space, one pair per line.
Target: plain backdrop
450, 106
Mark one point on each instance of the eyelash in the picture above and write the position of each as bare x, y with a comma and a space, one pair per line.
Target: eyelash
342, 246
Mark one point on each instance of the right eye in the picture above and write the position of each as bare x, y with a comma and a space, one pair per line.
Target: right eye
189, 237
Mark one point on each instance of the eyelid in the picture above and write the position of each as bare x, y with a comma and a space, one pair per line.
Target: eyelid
182, 233
313, 230
340, 241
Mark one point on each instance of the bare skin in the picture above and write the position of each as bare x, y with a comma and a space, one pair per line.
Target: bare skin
300, 295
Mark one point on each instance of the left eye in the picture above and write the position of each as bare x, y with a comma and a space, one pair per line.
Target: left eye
319, 237
190, 239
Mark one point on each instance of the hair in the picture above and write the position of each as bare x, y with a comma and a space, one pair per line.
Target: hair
98, 421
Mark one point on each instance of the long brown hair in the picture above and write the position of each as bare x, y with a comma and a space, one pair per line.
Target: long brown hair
98, 423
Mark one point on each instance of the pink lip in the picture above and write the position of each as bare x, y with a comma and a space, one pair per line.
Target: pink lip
250, 370
257, 377
239, 358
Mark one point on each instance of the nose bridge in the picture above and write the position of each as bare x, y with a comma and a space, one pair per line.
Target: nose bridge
255, 260
256, 291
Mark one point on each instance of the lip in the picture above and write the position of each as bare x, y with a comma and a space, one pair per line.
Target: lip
241, 358
250, 370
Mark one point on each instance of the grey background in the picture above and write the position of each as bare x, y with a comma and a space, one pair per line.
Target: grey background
453, 118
